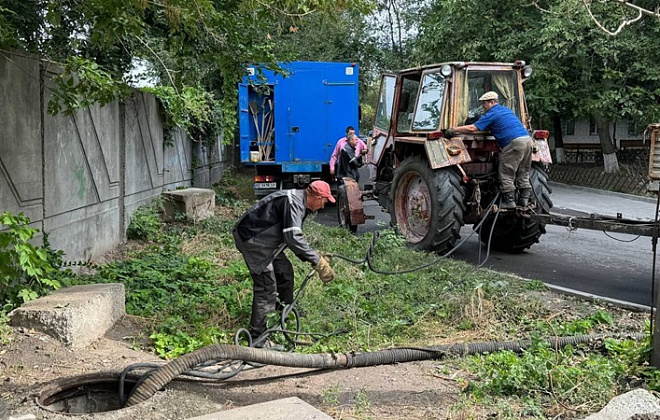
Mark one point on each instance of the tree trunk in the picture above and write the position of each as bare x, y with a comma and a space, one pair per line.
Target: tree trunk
610, 160
559, 139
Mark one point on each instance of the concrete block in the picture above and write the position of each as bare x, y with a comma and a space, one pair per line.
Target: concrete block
638, 402
76, 315
196, 203
283, 409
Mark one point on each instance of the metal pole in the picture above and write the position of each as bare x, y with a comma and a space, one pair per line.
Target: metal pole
655, 327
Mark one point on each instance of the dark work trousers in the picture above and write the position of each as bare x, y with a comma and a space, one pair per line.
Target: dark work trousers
275, 281
515, 161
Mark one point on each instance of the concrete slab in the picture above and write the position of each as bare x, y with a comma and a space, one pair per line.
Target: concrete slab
76, 315
284, 409
196, 203
638, 402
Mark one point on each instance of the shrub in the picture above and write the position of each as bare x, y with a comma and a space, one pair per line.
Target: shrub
26, 271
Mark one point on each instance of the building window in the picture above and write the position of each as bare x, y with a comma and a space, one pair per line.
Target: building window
568, 126
593, 128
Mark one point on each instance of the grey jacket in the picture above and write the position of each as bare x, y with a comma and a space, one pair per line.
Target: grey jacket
272, 224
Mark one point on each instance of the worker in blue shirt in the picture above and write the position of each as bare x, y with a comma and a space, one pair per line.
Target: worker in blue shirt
515, 145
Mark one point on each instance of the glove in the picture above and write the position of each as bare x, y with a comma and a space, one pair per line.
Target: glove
326, 273
449, 133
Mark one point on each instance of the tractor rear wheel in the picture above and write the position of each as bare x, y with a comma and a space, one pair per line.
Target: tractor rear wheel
427, 205
515, 234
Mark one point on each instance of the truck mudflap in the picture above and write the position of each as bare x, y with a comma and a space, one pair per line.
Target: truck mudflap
350, 207
446, 152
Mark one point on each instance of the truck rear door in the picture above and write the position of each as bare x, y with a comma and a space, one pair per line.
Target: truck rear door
305, 116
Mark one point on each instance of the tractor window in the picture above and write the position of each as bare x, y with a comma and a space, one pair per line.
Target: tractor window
504, 82
409, 89
429, 104
384, 112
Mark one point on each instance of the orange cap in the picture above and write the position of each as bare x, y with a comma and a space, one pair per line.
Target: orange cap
322, 189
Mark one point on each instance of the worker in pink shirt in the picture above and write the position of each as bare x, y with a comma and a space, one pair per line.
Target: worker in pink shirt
350, 133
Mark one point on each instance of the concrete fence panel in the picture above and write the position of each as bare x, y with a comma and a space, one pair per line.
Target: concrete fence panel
21, 178
79, 178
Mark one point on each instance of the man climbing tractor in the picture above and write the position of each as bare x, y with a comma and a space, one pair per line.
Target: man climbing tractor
515, 144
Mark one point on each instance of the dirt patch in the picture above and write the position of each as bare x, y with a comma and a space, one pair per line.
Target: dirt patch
411, 390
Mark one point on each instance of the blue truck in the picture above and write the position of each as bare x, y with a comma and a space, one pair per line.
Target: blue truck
289, 124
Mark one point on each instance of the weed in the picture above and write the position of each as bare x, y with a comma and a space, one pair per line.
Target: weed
145, 223
331, 395
362, 403
26, 271
5, 329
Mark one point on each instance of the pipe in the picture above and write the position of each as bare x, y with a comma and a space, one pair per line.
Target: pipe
161, 377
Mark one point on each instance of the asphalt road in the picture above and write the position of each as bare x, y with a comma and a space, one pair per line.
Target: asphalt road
618, 266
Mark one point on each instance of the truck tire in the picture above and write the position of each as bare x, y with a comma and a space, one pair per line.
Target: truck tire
514, 234
343, 212
427, 205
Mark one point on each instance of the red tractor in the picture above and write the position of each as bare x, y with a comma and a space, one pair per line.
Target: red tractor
432, 185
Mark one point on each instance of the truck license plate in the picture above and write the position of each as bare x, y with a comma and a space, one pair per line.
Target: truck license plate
263, 185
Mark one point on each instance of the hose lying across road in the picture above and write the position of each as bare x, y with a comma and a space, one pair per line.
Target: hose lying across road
156, 380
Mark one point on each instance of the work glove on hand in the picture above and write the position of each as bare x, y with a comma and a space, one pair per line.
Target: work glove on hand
326, 273
449, 133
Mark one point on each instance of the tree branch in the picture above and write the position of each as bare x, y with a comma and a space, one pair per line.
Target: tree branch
169, 75
625, 22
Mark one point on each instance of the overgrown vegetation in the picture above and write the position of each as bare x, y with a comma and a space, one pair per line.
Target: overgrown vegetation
27, 271
190, 286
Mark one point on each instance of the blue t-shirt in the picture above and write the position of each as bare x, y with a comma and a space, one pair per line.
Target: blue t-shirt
503, 123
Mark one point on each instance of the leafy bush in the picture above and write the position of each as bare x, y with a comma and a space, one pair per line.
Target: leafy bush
26, 271
192, 301
145, 224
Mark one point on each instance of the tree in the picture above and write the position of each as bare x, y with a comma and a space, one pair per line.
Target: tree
579, 71
195, 50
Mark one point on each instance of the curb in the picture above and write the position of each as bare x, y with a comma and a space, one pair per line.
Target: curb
596, 298
603, 192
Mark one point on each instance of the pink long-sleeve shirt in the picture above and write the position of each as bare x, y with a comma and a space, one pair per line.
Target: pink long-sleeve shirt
340, 144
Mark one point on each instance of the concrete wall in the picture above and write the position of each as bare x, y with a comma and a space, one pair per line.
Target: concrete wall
80, 178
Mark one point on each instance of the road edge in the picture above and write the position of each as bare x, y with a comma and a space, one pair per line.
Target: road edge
603, 192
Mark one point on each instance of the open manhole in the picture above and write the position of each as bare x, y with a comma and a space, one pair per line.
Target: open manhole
92, 393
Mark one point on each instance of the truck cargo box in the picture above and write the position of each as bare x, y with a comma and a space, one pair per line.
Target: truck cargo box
289, 124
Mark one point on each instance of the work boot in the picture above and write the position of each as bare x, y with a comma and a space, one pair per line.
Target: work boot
523, 197
507, 202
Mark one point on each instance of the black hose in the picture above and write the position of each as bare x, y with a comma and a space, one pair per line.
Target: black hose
165, 374
369, 255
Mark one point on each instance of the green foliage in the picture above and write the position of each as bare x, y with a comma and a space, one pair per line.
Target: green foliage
235, 185
573, 377
5, 329
579, 70
192, 301
193, 109
194, 52
81, 84
578, 326
145, 223
27, 271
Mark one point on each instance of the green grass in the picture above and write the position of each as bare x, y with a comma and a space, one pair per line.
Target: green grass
195, 289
